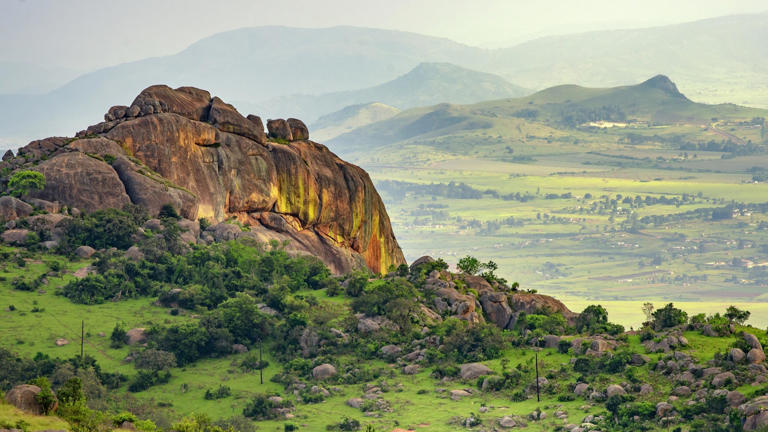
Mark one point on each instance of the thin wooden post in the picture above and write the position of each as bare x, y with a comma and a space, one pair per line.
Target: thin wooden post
261, 366
82, 339
538, 394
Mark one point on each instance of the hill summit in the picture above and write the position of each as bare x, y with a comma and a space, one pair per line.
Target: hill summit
663, 83
197, 153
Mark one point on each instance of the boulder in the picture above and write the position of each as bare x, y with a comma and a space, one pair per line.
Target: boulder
308, 341
136, 336
226, 118
472, 371
23, 397
581, 389
13, 208
411, 369
355, 403
323, 371
390, 351
614, 390
61, 342
461, 305
496, 307
735, 398
508, 422
551, 341
8, 155
736, 355
722, 379
752, 341
458, 394
755, 356
663, 409
85, 251
536, 303
239, 348
646, 389
755, 413
423, 260
682, 391
16, 236
299, 130
134, 253
279, 128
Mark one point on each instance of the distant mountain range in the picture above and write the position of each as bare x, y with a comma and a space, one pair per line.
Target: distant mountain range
655, 101
715, 60
426, 84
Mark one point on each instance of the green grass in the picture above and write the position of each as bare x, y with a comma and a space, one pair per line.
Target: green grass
11, 416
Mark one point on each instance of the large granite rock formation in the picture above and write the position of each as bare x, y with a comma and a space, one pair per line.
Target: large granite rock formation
185, 148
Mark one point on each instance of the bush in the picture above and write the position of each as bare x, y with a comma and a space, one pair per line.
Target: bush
346, 424
220, 393
669, 316
260, 407
154, 360
146, 379
118, 337
45, 397
467, 343
23, 182
102, 229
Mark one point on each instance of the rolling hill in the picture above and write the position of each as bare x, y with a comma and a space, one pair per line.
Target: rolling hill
545, 114
350, 118
426, 84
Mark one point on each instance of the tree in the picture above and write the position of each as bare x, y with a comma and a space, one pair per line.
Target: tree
593, 317
648, 311
469, 265
737, 315
154, 360
25, 181
669, 316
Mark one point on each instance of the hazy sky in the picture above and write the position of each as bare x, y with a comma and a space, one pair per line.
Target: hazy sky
85, 34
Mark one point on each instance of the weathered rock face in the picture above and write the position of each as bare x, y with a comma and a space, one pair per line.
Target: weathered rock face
182, 147
23, 398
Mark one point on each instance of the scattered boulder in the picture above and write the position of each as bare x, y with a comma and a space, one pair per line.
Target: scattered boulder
239, 348
279, 128
324, 371
723, 379
663, 409
581, 389
614, 390
735, 398
646, 389
736, 355
752, 341
61, 342
355, 403
85, 251
755, 356
551, 341
299, 130
16, 236
13, 208
755, 413
423, 260
390, 351
682, 391
23, 397
458, 394
136, 336
496, 307
472, 371
411, 369
508, 422
134, 253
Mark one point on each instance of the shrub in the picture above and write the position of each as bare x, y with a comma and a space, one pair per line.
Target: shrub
260, 407
467, 343
45, 398
669, 316
146, 379
346, 424
220, 393
154, 360
118, 337
23, 182
564, 346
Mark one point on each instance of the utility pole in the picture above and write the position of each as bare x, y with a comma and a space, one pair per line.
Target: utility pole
82, 339
261, 366
538, 394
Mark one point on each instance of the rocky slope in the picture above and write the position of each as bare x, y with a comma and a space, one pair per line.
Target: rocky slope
185, 148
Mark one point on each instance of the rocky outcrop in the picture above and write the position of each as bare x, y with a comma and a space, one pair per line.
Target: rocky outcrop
183, 147
12, 208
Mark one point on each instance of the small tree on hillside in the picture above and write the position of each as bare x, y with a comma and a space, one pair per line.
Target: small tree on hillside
737, 315
23, 182
648, 311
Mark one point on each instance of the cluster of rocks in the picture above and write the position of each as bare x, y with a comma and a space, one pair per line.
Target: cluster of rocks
666, 344
372, 402
473, 299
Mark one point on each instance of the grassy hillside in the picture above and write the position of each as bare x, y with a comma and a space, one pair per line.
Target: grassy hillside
350, 118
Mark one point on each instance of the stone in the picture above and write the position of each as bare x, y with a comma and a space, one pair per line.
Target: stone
390, 351
614, 390
736, 355
735, 398
663, 408
239, 348
472, 371
581, 389
507, 422
85, 251
134, 253
299, 130
13, 208
8, 155
411, 369
458, 394
279, 128
16, 236
639, 359
355, 403
599, 345
423, 260
226, 118
682, 391
308, 342
23, 397
136, 336
496, 307
646, 389
723, 379
531, 303
752, 341
755, 356
61, 342
323, 371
